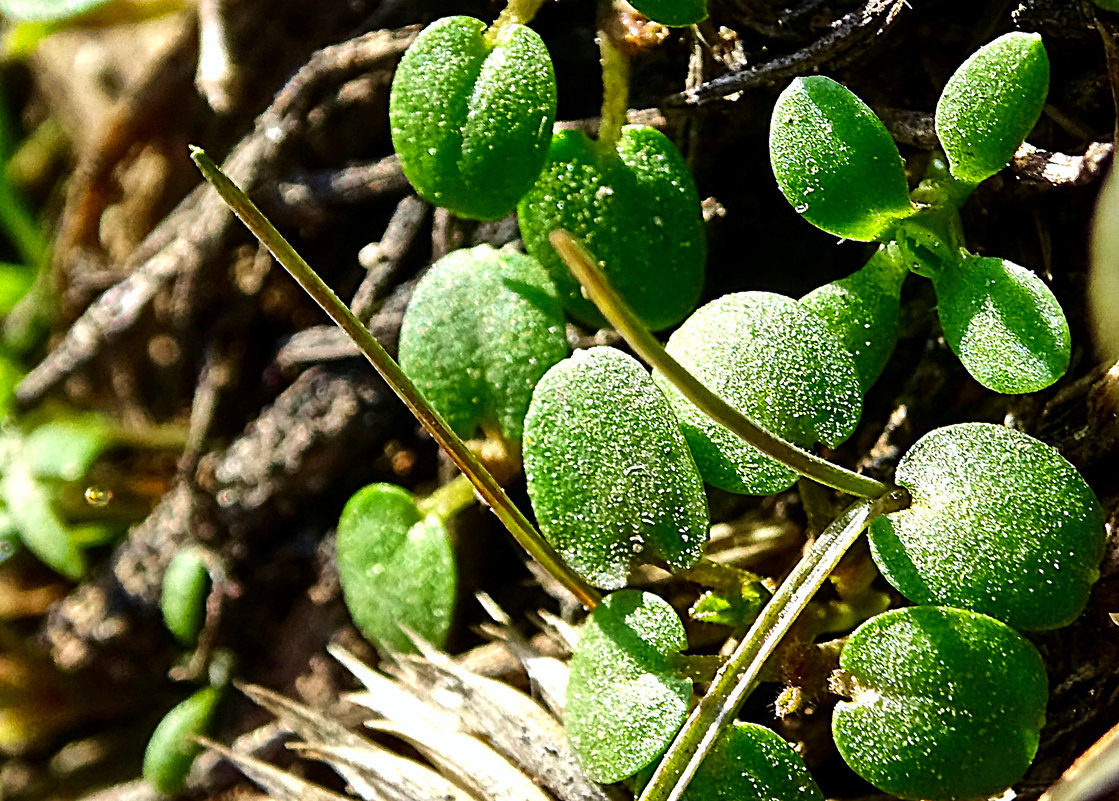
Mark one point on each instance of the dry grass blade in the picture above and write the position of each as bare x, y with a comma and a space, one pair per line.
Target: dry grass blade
279, 784
392, 777
547, 674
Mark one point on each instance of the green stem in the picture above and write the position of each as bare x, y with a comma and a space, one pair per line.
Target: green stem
516, 12
491, 492
739, 676
615, 309
615, 92
713, 575
448, 500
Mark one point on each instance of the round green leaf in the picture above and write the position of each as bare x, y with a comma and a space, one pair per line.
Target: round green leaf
186, 583
863, 310
172, 747
752, 763
991, 103
779, 364
482, 328
471, 118
624, 700
944, 703
1000, 523
396, 567
1004, 324
47, 10
674, 13
635, 208
835, 162
610, 476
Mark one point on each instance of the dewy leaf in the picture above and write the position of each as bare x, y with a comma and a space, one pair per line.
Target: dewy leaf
624, 699
45, 10
635, 208
674, 13
1000, 523
483, 326
752, 763
471, 119
835, 162
779, 364
944, 703
396, 568
991, 103
1004, 324
172, 747
863, 310
610, 476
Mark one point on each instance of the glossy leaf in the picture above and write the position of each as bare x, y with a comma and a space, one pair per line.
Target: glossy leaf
44, 10
635, 208
944, 704
752, 763
172, 747
991, 103
610, 476
624, 699
483, 326
863, 310
471, 118
186, 584
778, 363
674, 13
1000, 523
835, 162
396, 568
1004, 324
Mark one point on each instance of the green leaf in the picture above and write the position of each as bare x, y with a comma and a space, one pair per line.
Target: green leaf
944, 703
835, 162
40, 527
674, 13
991, 103
610, 476
66, 449
730, 609
635, 208
471, 118
1107, 5
483, 326
396, 568
1000, 523
186, 583
624, 700
752, 763
172, 747
779, 364
43, 10
862, 311
1004, 324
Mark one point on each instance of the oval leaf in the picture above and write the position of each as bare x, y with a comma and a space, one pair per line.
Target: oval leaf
835, 162
186, 583
483, 326
42, 530
752, 763
674, 13
396, 568
624, 700
172, 747
991, 103
944, 703
471, 118
609, 473
779, 364
863, 310
1000, 523
636, 209
1004, 324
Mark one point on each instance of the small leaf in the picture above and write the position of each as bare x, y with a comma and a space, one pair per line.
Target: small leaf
1107, 5
674, 13
991, 103
1000, 523
483, 326
186, 583
835, 162
779, 364
43, 10
726, 609
396, 568
862, 310
624, 700
172, 747
66, 449
944, 703
40, 527
1004, 324
635, 208
610, 476
471, 118
752, 763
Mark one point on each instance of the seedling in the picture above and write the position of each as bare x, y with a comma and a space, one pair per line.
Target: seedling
752, 763
186, 584
172, 747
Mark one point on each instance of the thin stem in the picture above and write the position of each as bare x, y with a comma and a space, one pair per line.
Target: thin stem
615, 92
739, 676
448, 500
516, 12
491, 492
615, 309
